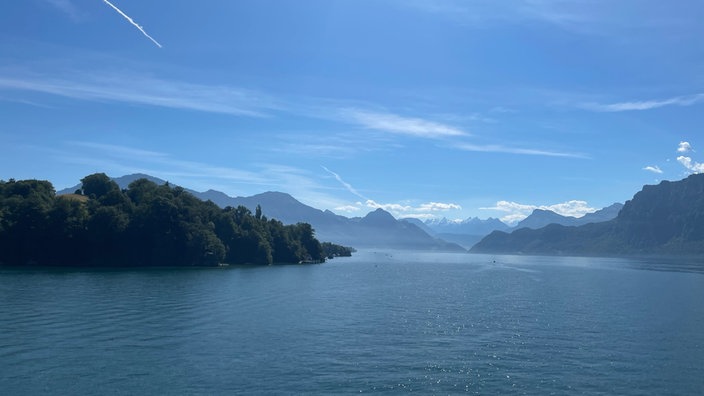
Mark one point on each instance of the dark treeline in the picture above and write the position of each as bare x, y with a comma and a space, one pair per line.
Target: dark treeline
144, 225
332, 250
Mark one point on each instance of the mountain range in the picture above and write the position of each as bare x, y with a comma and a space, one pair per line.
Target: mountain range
540, 218
468, 232
378, 229
667, 218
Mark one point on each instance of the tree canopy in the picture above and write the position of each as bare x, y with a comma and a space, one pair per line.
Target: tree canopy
144, 225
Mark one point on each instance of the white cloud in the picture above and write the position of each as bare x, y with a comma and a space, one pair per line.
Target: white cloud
512, 219
393, 208
398, 210
388, 122
495, 148
130, 20
421, 211
348, 208
692, 166
684, 147
438, 207
654, 169
572, 208
419, 127
518, 211
645, 104
140, 89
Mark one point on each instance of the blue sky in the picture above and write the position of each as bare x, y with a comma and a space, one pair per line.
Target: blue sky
425, 108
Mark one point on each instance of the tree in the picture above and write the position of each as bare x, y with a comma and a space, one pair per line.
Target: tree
98, 185
144, 225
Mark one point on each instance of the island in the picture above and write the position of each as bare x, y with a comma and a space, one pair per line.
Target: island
101, 225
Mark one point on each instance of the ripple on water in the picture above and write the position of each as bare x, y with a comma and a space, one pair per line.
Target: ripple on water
428, 323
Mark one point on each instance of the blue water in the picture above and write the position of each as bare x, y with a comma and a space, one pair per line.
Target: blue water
378, 322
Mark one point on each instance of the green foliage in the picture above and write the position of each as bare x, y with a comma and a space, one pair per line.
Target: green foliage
144, 225
97, 185
331, 250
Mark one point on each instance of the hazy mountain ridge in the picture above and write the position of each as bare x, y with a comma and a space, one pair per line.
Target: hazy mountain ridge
377, 229
541, 218
667, 218
468, 232
470, 226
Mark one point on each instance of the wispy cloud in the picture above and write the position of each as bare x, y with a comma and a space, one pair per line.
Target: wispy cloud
423, 210
140, 89
595, 17
159, 163
393, 123
116, 160
67, 7
516, 212
345, 184
495, 148
335, 145
489, 13
134, 88
454, 137
130, 20
654, 169
687, 100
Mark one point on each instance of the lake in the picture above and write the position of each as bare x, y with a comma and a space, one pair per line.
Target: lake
378, 322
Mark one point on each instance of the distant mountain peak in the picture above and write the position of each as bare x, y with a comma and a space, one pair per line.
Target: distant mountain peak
380, 213
274, 194
378, 228
661, 219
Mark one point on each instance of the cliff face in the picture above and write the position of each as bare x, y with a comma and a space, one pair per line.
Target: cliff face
667, 218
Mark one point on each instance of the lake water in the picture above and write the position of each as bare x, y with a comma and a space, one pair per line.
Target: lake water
379, 322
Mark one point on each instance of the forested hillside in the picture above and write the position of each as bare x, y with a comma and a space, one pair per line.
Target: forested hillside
143, 225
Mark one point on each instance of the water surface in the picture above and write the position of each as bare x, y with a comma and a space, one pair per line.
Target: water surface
382, 321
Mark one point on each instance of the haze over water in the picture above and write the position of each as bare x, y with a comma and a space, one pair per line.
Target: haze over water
383, 321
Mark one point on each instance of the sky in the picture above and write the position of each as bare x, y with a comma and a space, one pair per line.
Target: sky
425, 108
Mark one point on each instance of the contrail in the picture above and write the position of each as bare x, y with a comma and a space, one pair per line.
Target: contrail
345, 184
141, 29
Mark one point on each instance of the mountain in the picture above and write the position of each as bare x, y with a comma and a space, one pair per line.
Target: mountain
381, 230
540, 218
420, 224
466, 232
377, 229
667, 218
603, 214
470, 226
122, 181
